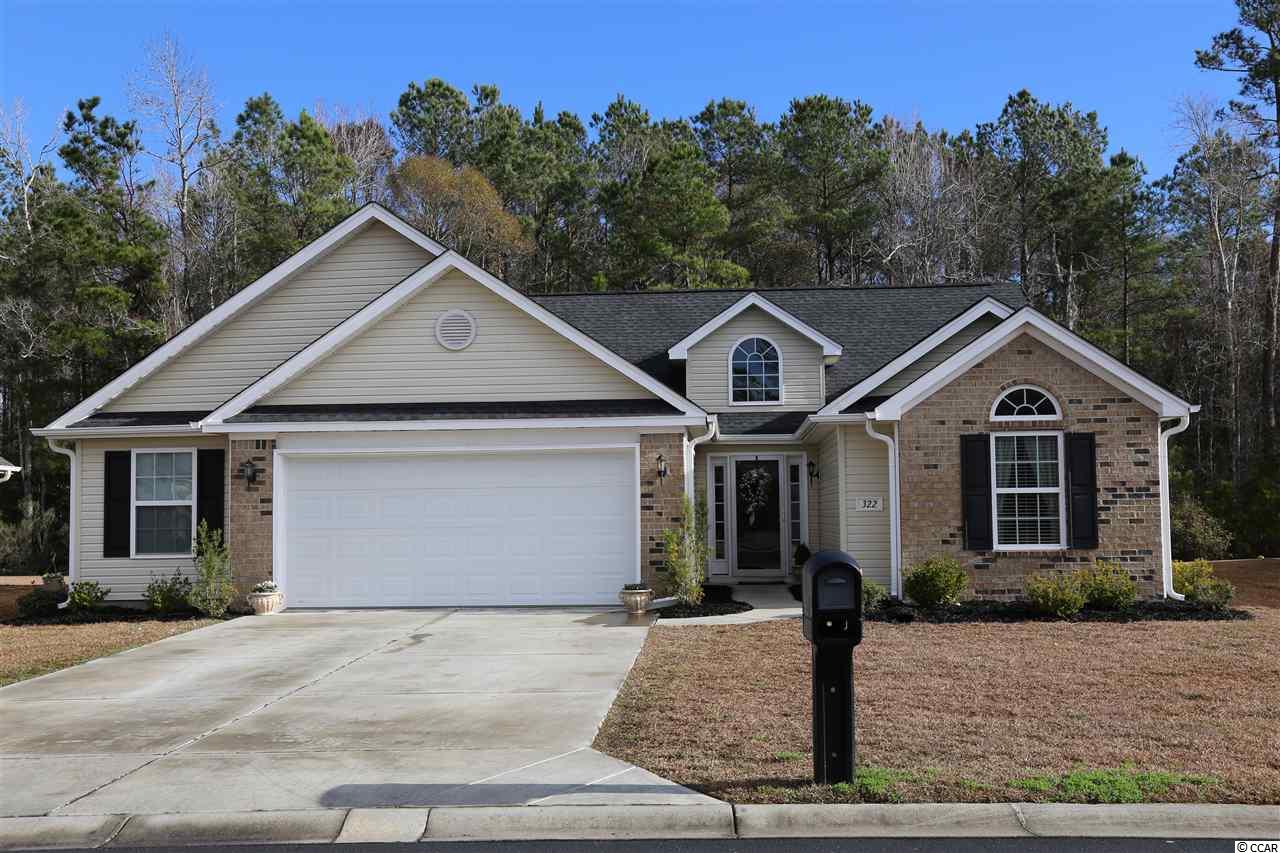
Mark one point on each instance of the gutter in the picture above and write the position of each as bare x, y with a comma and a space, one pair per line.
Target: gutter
895, 545
73, 536
1166, 526
691, 448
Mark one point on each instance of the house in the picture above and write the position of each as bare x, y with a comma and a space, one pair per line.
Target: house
379, 422
7, 469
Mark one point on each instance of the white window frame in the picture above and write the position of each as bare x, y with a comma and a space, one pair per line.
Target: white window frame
1061, 490
134, 503
782, 386
1057, 409
801, 460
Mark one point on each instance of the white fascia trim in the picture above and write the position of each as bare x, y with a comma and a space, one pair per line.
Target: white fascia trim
673, 423
772, 438
1058, 338
680, 351
117, 432
979, 309
401, 293
246, 297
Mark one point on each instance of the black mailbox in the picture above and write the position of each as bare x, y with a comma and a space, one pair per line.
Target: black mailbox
832, 587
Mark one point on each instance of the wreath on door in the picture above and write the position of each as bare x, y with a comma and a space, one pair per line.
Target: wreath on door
753, 491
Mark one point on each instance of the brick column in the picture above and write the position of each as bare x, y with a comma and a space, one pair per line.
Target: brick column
250, 521
661, 501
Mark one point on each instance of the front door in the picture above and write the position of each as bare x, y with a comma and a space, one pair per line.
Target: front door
758, 517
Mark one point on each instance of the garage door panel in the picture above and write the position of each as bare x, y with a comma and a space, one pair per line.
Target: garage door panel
483, 529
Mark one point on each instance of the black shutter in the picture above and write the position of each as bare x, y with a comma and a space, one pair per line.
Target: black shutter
117, 493
975, 488
211, 485
1082, 490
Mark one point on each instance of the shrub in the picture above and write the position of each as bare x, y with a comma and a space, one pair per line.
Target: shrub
936, 581
1196, 532
1190, 573
1195, 580
168, 595
873, 595
212, 591
38, 603
1107, 586
272, 586
1057, 595
87, 596
1212, 594
686, 553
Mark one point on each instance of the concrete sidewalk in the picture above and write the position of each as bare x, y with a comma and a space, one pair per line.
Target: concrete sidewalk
708, 820
769, 601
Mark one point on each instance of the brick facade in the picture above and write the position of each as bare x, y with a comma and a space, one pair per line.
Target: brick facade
1127, 437
661, 500
249, 538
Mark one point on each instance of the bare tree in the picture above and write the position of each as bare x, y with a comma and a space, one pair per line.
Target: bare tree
19, 167
176, 101
363, 139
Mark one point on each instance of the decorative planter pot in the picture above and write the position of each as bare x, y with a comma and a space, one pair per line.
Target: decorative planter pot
636, 600
265, 603
58, 585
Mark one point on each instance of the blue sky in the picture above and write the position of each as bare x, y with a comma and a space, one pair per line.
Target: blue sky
950, 64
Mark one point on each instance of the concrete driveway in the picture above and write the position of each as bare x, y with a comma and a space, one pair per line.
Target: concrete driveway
332, 710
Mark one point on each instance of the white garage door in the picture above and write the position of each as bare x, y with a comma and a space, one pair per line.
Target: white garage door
445, 529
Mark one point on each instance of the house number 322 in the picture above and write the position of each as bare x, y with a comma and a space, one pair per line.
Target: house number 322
868, 504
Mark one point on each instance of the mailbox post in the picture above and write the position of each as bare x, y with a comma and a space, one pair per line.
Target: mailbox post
832, 587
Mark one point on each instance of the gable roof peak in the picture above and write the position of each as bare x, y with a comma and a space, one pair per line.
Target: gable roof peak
831, 349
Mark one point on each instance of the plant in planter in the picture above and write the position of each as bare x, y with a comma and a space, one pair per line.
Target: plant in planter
636, 597
266, 598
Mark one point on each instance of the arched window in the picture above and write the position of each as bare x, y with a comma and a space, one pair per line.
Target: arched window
755, 372
1025, 403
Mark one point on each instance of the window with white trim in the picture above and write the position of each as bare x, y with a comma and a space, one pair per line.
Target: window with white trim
794, 511
163, 502
1025, 403
1029, 508
755, 372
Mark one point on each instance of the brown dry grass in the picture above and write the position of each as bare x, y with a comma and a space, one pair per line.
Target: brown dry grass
30, 650
962, 710
1257, 582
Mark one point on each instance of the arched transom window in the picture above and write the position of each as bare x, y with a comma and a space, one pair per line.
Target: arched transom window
755, 372
1025, 403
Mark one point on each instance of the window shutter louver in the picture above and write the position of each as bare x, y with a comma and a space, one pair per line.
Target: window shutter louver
211, 485
1082, 490
975, 487
117, 496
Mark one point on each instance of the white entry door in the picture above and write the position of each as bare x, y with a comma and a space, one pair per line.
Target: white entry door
372, 530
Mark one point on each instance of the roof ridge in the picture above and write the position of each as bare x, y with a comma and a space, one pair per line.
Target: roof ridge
808, 288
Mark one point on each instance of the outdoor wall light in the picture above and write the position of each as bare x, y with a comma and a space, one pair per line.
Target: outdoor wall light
662, 466
813, 471
250, 473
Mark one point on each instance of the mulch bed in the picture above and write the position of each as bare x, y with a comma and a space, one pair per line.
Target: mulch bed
977, 610
1179, 711
706, 608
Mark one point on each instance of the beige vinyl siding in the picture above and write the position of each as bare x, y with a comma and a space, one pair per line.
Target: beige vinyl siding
127, 578
828, 487
292, 315
867, 475
707, 368
939, 354
513, 357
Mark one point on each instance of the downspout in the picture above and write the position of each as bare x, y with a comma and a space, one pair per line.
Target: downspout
73, 536
1166, 526
690, 457
895, 548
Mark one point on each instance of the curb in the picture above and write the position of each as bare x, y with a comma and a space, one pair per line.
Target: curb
715, 820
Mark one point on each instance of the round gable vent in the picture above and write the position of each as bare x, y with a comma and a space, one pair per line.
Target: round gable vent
455, 329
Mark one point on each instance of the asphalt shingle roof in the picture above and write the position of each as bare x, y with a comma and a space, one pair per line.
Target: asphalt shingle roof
761, 423
873, 325
5, 463
138, 419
